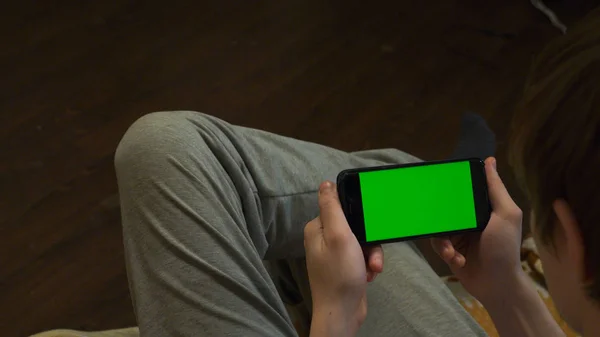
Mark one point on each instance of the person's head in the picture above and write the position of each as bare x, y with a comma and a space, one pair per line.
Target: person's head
555, 154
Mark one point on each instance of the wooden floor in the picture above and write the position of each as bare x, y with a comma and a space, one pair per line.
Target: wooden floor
350, 74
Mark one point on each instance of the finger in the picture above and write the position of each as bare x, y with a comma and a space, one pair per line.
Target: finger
453, 258
444, 248
458, 261
499, 197
332, 217
313, 231
371, 276
374, 258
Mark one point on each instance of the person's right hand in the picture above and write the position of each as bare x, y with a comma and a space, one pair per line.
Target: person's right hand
488, 261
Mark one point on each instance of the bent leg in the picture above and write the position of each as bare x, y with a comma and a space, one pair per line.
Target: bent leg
204, 202
193, 233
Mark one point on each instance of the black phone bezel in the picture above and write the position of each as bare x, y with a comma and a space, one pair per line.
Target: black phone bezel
350, 198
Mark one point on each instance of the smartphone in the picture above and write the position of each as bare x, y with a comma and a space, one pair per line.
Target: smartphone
410, 201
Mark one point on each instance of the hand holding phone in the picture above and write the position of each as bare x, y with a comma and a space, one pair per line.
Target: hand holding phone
336, 267
487, 262
409, 201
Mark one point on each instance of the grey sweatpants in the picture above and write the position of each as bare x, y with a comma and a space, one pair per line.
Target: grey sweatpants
205, 203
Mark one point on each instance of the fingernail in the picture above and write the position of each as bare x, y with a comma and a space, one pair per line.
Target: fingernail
378, 259
446, 250
458, 261
494, 164
326, 186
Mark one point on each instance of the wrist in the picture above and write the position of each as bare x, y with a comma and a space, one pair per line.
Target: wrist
512, 288
518, 310
332, 321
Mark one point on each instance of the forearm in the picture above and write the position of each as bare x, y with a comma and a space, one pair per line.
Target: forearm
519, 311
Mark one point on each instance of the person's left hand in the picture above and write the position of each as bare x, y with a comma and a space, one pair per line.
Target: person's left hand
337, 271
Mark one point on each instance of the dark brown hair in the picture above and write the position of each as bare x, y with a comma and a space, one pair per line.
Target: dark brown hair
555, 143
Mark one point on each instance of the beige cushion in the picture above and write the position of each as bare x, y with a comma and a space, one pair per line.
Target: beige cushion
129, 332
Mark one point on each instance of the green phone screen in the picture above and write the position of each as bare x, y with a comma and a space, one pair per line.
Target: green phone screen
417, 200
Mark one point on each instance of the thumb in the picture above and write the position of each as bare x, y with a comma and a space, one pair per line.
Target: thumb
499, 197
332, 217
